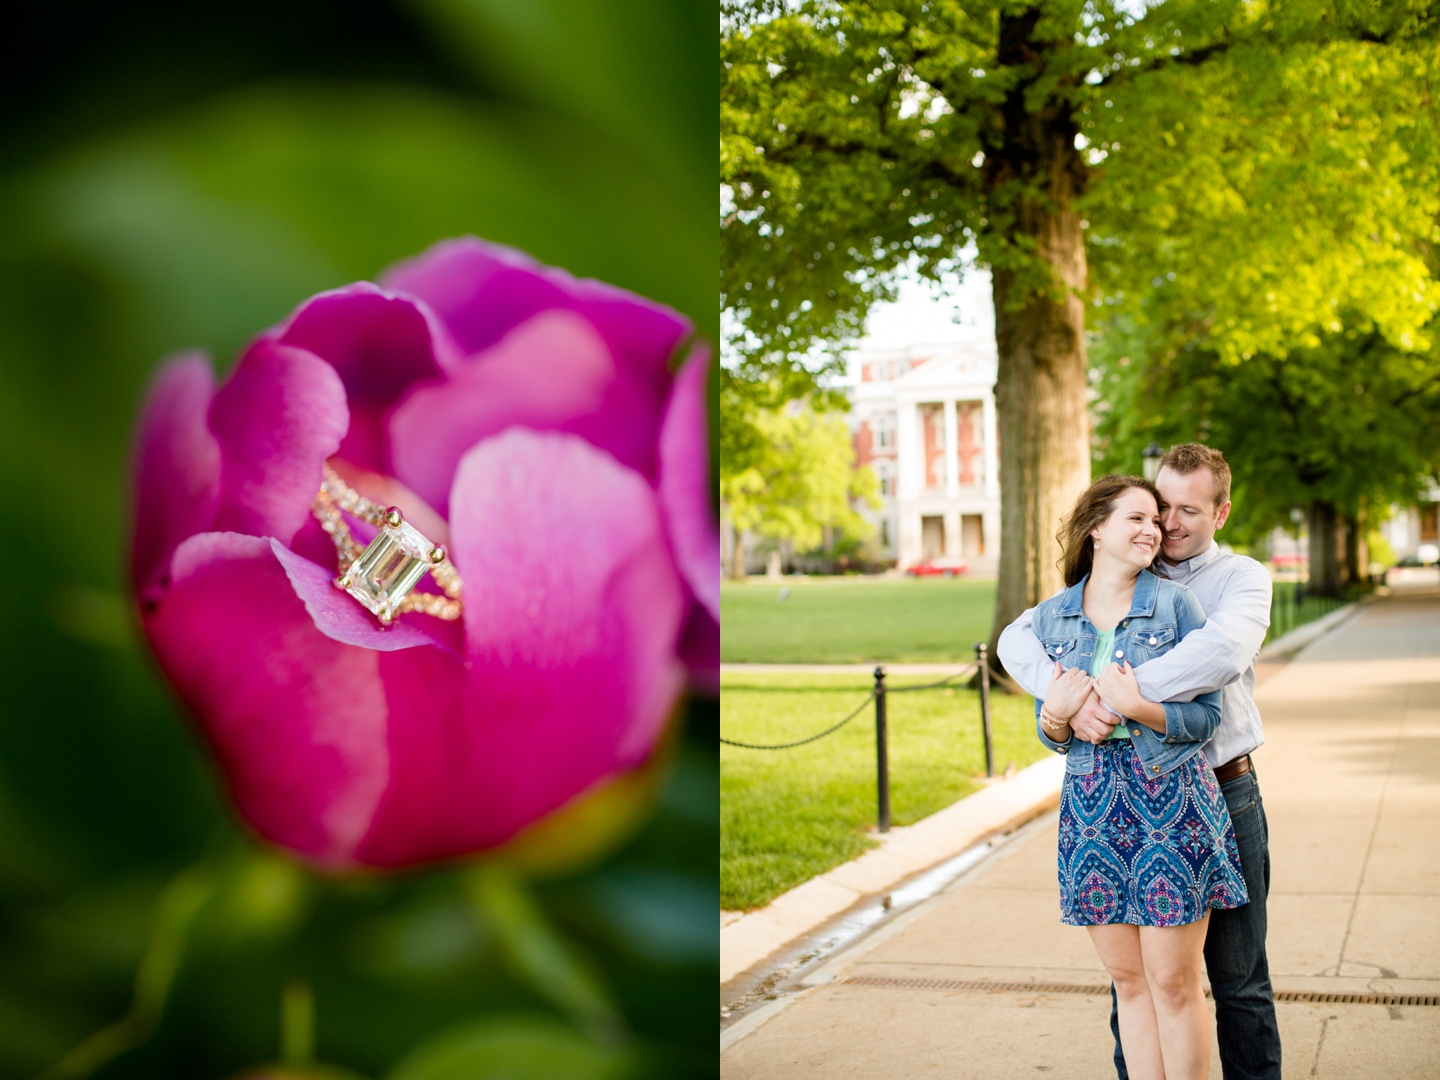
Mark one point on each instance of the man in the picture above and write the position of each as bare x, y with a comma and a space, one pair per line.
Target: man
1194, 483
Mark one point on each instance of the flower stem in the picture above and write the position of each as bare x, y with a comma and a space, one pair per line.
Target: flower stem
297, 1022
180, 901
539, 957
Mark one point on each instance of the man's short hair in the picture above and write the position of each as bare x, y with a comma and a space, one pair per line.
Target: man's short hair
1187, 457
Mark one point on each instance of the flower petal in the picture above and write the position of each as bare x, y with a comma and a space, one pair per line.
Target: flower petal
280, 415
685, 483
297, 719
543, 373
176, 469
700, 649
338, 615
380, 343
573, 671
482, 291
433, 745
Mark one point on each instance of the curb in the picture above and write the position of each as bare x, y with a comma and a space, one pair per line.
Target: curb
905, 852
846, 957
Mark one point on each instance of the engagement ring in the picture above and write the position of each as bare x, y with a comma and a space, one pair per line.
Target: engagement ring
383, 573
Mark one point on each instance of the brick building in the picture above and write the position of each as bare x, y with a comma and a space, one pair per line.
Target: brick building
923, 419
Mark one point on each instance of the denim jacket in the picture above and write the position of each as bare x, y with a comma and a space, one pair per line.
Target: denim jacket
1161, 613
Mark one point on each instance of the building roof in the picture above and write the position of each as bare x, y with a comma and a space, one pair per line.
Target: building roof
949, 366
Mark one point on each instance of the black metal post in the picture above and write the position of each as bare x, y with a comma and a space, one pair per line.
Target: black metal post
982, 659
882, 754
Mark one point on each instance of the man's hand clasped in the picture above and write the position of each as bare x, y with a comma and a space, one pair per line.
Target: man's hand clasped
1093, 723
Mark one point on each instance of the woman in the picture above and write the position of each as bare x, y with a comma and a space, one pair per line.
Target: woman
1146, 845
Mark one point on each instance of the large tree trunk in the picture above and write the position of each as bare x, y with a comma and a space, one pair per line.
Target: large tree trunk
1324, 550
732, 543
1040, 392
1357, 558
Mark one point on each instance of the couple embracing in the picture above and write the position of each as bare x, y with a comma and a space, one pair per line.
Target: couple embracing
1143, 670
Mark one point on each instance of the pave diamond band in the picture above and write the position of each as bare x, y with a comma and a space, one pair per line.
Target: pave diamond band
382, 574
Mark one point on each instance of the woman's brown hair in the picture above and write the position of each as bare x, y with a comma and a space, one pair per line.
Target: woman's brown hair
1091, 509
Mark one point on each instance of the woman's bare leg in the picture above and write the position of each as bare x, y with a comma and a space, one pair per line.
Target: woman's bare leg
1174, 961
1118, 945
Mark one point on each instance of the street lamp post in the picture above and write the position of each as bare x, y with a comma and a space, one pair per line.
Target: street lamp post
1150, 460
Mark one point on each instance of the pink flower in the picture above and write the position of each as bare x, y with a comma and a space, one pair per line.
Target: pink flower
526, 420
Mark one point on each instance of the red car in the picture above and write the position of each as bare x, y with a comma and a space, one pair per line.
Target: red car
937, 567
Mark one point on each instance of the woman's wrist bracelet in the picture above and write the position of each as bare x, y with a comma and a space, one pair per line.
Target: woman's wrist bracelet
1052, 723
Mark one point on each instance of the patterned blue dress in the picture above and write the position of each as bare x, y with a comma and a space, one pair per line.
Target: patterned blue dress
1148, 852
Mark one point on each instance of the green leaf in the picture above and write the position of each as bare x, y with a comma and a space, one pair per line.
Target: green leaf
536, 955
602, 63
180, 902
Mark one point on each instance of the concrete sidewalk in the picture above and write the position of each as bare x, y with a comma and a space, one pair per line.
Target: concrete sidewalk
1351, 780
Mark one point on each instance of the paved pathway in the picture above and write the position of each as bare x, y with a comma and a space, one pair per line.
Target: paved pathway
1351, 780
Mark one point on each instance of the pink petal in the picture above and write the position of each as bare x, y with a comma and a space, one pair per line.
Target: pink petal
573, 671
432, 745
482, 291
700, 649
280, 415
338, 615
176, 469
380, 343
545, 372
297, 720
685, 494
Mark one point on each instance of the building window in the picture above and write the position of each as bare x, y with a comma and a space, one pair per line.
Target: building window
883, 476
884, 428
969, 420
932, 426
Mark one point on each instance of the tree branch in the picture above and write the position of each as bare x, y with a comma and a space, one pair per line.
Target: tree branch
933, 170
1191, 58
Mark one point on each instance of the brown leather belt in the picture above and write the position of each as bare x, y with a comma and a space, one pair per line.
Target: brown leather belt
1231, 769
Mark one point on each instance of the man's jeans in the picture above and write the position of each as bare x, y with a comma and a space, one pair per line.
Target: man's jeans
1235, 953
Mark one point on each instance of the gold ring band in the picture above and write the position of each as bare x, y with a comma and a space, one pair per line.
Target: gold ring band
382, 574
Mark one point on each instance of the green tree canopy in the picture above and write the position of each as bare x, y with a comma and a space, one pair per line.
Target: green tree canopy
797, 478
1274, 161
1342, 428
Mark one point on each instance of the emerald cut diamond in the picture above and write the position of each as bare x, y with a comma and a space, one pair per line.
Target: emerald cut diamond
389, 567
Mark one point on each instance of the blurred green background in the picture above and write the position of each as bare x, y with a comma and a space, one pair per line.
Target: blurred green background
178, 176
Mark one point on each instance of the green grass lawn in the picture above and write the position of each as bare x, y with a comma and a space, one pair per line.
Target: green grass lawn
854, 620
787, 815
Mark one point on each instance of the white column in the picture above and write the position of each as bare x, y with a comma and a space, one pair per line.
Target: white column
909, 451
952, 457
909, 539
952, 532
992, 453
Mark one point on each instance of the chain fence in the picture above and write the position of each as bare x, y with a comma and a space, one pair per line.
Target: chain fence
801, 742
966, 674
882, 753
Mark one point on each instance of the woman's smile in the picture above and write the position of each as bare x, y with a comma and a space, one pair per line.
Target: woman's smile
1131, 534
